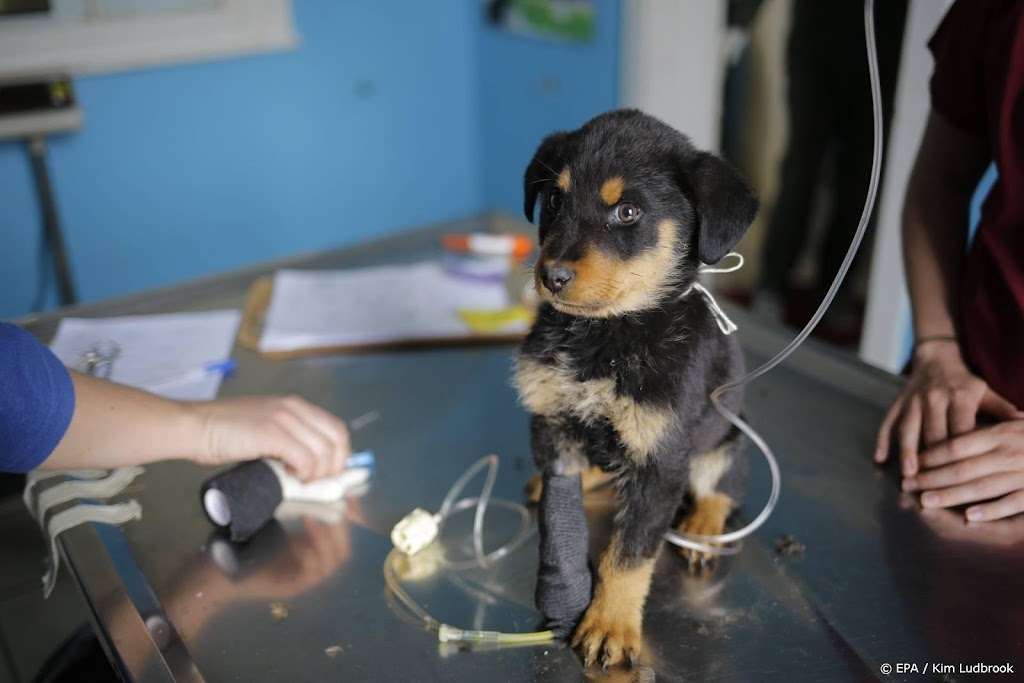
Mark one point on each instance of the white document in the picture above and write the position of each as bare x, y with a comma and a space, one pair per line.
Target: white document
163, 353
310, 309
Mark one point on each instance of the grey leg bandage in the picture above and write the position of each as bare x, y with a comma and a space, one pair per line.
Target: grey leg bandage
564, 581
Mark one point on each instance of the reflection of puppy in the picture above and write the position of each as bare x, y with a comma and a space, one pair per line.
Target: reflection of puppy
619, 364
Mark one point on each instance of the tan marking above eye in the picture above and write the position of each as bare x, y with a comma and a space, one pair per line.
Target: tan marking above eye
611, 190
563, 180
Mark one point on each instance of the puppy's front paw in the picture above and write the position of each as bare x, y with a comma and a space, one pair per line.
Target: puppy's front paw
607, 637
707, 518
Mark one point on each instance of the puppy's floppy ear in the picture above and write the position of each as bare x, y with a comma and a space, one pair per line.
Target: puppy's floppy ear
725, 205
545, 166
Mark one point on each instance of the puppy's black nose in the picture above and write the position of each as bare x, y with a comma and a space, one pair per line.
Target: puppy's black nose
555, 277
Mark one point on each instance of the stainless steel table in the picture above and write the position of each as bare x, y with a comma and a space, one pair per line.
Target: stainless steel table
868, 582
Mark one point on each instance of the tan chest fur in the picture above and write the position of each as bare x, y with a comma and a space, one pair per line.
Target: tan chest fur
552, 390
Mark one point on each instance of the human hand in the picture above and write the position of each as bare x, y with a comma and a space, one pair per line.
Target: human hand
985, 465
941, 400
309, 440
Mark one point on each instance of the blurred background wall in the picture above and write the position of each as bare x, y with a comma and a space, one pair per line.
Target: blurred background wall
387, 115
390, 115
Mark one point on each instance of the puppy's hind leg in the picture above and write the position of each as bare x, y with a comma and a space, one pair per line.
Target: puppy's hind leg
716, 483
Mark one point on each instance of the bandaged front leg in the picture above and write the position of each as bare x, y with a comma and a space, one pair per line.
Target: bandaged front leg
564, 581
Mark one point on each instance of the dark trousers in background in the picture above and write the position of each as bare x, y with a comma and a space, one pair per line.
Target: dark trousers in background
830, 117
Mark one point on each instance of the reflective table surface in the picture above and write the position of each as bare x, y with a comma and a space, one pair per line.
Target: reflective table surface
847, 581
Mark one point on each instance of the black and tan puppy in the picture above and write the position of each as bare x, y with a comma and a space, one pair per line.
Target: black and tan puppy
618, 366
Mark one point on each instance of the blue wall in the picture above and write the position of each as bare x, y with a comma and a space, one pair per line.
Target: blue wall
531, 87
369, 127
20, 226
391, 114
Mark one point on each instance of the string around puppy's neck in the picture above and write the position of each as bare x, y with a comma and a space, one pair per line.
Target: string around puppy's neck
724, 323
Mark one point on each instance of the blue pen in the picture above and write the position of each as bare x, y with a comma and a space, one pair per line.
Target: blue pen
220, 367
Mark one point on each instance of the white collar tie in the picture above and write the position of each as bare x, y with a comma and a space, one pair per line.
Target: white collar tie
724, 323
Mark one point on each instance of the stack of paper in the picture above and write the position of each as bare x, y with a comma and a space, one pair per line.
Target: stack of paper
418, 302
167, 354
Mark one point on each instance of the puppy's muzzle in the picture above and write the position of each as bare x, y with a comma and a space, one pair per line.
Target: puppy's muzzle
556, 276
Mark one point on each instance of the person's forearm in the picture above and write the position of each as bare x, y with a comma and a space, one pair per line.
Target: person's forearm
935, 223
114, 425
934, 236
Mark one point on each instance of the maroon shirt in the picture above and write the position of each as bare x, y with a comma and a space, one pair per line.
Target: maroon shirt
978, 85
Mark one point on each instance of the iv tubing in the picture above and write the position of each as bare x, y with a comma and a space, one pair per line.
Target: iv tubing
869, 203
449, 506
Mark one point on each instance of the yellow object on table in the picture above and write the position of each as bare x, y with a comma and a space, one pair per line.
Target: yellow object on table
485, 322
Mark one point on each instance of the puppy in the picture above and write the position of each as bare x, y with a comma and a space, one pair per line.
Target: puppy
617, 369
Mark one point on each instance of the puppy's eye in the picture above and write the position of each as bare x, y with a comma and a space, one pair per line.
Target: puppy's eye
555, 200
627, 212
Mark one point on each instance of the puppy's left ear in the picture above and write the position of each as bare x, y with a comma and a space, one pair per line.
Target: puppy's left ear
725, 204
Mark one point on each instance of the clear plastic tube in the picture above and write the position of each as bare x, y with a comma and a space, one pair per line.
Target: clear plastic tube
446, 633
449, 506
701, 542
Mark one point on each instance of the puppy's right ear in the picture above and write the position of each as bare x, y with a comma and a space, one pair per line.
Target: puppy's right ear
725, 202
542, 169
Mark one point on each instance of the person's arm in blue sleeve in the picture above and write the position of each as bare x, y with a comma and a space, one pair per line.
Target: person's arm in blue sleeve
37, 400
53, 418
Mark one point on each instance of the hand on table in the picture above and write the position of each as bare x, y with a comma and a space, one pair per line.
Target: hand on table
312, 442
941, 400
984, 465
